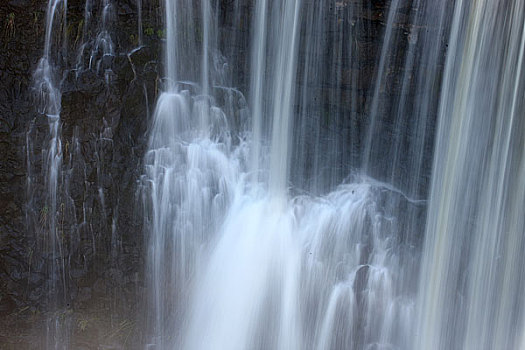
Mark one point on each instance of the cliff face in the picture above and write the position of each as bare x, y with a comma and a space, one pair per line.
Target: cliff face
106, 108
104, 121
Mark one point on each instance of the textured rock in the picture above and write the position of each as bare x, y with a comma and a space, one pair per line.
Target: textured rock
103, 128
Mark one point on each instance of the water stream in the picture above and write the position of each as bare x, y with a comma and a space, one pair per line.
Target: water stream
48, 94
472, 274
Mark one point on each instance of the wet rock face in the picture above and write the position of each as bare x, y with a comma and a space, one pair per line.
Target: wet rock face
16, 59
104, 117
104, 120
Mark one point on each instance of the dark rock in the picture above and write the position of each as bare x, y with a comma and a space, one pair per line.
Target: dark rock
20, 3
84, 294
36, 294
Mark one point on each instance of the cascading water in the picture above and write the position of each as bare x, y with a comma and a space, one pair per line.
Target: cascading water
103, 50
46, 85
473, 268
234, 261
297, 218
97, 53
191, 168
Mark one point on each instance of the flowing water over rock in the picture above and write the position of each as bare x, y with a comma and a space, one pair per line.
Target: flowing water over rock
473, 271
235, 261
284, 202
47, 81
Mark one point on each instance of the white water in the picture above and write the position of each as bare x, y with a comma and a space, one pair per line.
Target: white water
473, 268
46, 85
96, 46
103, 49
234, 262
283, 278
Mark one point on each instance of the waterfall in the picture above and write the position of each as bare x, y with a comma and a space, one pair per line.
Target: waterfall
103, 49
283, 80
47, 88
96, 45
237, 261
472, 273
257, 83
315, 175
192, 170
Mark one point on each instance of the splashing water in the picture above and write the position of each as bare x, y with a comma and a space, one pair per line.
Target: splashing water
233, 261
